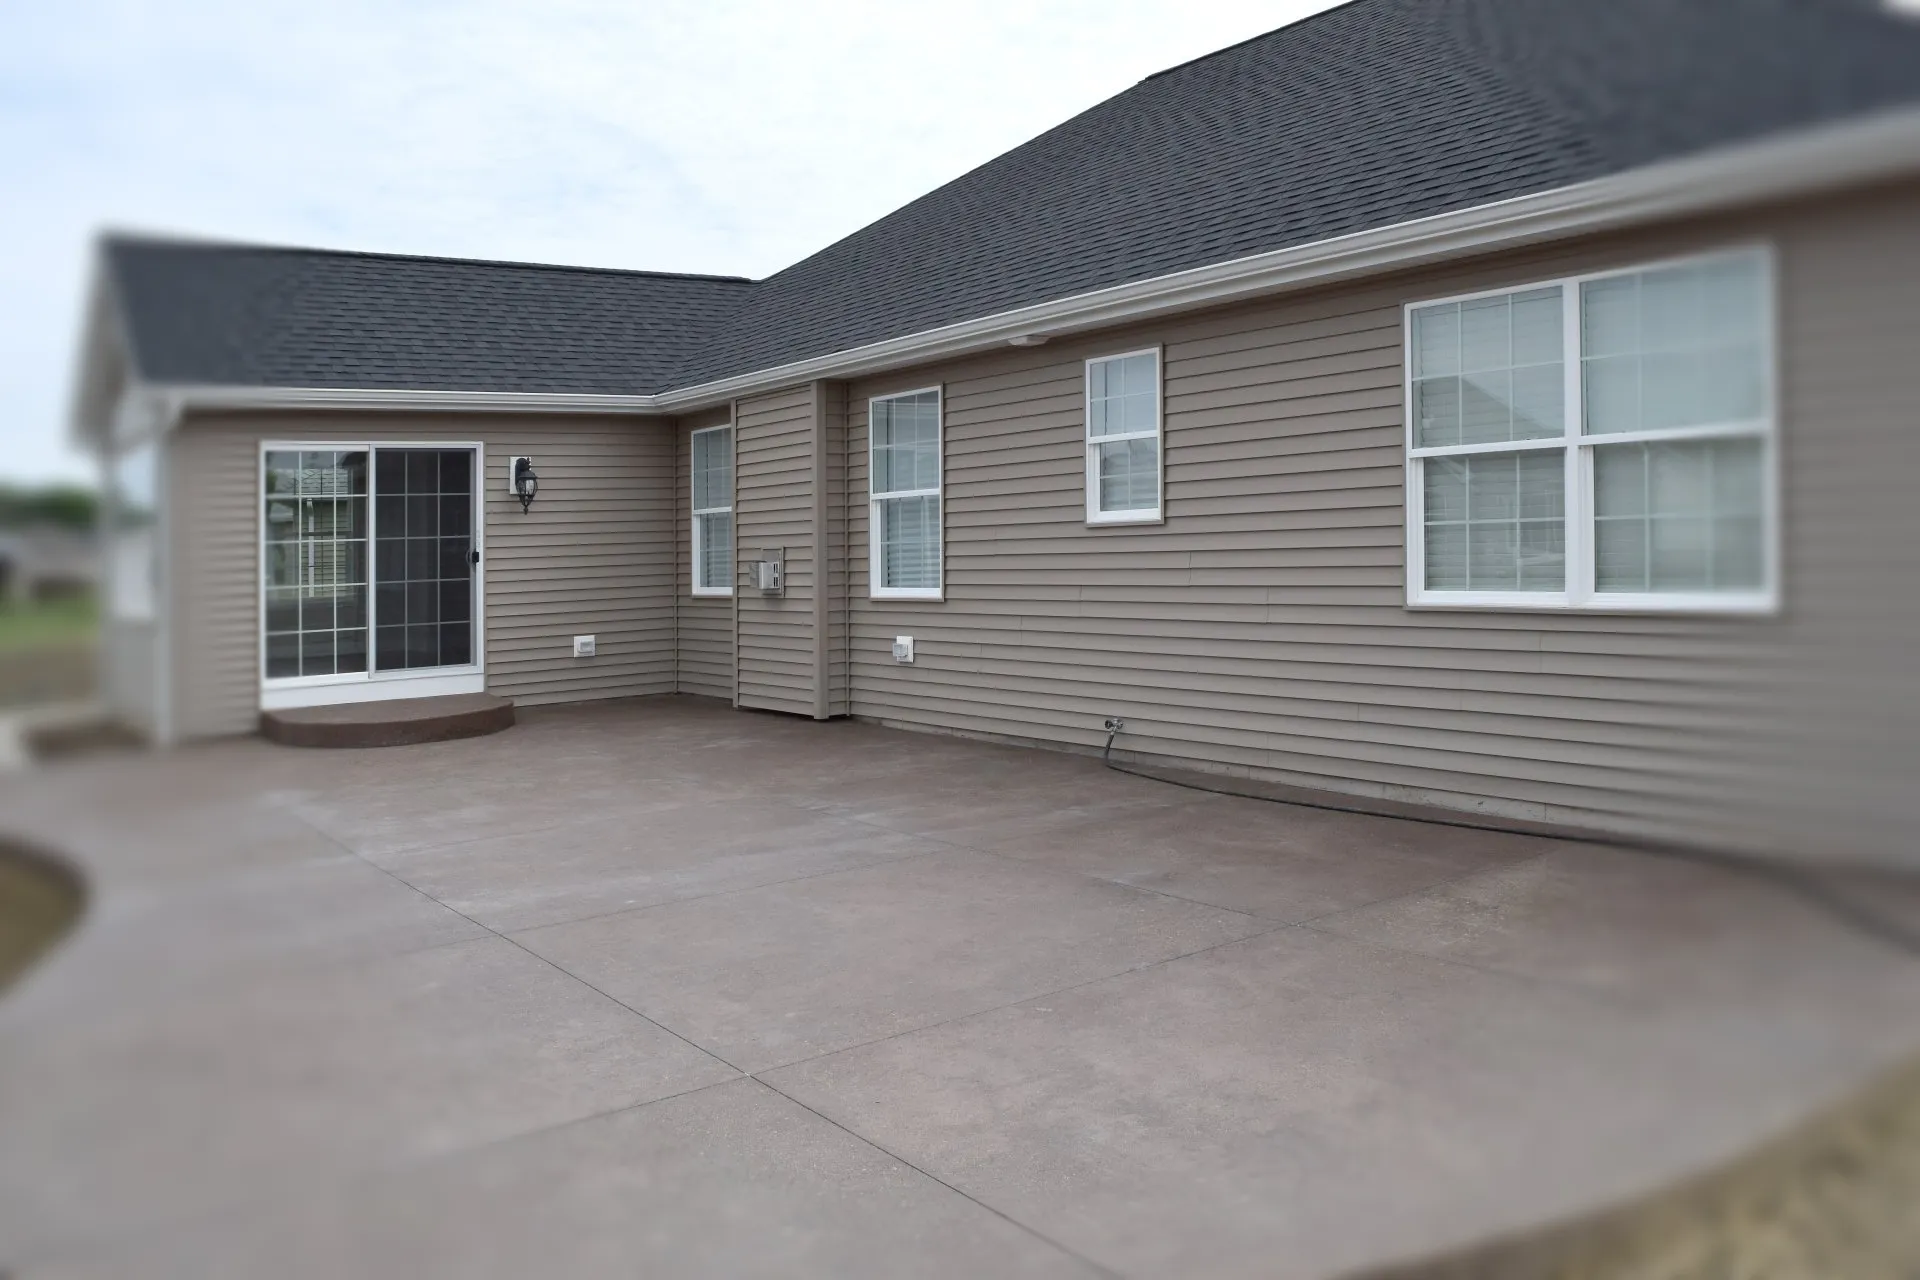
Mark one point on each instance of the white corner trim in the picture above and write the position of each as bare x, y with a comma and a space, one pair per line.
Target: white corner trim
1802, 162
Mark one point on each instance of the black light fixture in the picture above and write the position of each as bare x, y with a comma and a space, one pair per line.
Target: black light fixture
525, 483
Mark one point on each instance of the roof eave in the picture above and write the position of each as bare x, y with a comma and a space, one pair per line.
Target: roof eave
182, 396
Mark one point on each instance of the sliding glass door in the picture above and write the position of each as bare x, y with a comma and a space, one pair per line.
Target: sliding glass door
370, 574
316, 562
423, 558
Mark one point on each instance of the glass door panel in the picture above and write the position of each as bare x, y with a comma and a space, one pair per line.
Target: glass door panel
316, 562
423, 558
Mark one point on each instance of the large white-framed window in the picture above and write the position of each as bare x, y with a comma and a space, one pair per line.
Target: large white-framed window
903, 470
1597, 442
711, 454
1124, 469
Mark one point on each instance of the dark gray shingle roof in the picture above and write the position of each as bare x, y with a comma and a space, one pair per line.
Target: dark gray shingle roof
247, 316
1360, 117
1363, 116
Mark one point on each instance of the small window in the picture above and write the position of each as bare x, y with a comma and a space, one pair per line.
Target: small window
712, 451
1602, 442
1123, 438
904, 475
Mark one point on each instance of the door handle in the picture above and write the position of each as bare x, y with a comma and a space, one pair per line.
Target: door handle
476, 555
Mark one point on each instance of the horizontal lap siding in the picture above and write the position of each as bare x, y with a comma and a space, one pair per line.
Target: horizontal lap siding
773, 507
704, 655
1263, 628
594, 555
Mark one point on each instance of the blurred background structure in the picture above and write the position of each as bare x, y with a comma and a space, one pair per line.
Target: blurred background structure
50, 576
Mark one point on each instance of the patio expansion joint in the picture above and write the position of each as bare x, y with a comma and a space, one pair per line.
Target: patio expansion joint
557, 968
233, 1209
756, 1076
935, 1178
1143, 967
639, 908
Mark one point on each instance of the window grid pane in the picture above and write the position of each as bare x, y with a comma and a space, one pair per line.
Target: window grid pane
909, 542
715, 565
1489, 370
1496, 522
906, 443
1123, 395
712, 459
1673, 347
1129, 475
315, 562
1684, 516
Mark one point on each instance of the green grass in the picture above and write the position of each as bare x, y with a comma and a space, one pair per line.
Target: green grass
48, 624
38, 903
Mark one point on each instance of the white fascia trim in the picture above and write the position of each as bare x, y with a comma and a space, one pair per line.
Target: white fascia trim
183, 396
1803, 162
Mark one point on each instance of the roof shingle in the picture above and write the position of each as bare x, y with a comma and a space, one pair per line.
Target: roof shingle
1374, 113
249, 316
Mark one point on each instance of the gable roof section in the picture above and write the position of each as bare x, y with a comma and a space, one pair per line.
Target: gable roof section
235, 315
1358, 119
1361, 117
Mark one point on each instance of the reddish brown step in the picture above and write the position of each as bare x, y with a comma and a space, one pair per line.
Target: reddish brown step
396, 722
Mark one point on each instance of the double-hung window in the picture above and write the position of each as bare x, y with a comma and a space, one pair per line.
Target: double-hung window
1123, 438
904, 475
1600, 442
712, 458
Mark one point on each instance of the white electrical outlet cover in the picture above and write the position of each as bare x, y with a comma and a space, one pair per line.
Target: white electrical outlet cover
903, 648
583, 646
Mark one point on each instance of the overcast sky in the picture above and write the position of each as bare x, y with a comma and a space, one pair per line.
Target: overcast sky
734, 136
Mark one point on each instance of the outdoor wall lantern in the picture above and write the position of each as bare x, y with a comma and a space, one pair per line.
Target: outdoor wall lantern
525, 483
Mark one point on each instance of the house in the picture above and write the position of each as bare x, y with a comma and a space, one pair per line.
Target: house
46, 563
1498, 404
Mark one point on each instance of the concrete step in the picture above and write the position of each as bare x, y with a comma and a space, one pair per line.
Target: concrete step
396, 722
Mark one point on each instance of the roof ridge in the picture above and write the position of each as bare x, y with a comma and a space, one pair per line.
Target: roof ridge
150, 239
1241, 44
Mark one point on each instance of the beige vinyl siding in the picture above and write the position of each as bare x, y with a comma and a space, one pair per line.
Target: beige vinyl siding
1263, 628
704, 646
594, 555
773, 507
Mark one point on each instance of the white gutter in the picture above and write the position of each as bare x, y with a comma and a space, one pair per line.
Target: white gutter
1799, 163
180, 395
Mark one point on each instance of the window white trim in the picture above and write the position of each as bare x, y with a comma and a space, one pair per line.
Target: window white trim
695, 542
875, 591
369, 685
1155, 515
1580, 594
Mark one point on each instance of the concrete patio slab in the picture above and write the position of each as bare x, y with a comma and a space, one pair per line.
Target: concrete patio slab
264, 1082
1296, 1105
733, 1181
1647, 930
802, 968
141, 943
594, 867
1280, 862
477, 1007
